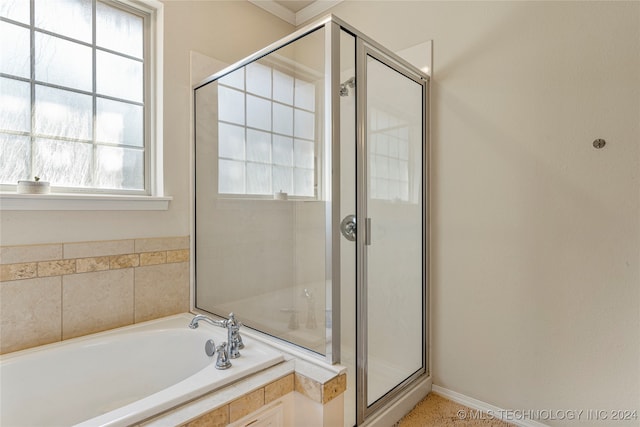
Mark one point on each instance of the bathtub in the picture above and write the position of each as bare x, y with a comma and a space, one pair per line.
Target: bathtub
119, 377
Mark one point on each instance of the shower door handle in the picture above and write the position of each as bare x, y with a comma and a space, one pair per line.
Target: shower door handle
348, 227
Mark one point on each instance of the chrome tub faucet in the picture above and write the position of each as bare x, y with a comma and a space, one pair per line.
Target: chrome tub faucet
232, 325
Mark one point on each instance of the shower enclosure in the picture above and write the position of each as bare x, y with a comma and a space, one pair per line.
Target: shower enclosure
311, 205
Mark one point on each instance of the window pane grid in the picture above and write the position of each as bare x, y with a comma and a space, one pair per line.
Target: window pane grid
10, 133
254, 128
273, 101
71, 39
293, 173
70, 89
127, 139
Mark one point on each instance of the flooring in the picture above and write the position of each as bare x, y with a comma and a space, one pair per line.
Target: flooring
435, 410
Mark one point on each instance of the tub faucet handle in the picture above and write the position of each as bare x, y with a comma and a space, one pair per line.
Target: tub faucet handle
223, 361
234, 338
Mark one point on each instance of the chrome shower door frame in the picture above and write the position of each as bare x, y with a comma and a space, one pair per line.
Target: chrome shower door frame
331, 175
366, 48
331, 169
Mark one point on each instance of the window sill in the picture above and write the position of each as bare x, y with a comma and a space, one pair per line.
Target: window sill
81, 202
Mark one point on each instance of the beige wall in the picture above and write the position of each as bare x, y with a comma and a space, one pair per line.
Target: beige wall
226, 30
58, 291
536, 234
89, 292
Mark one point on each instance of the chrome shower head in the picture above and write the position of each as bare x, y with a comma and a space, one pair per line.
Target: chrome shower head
344, 87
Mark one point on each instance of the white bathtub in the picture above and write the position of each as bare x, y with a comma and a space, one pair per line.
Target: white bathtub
119, 377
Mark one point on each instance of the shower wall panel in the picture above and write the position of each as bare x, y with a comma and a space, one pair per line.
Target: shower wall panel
260, 193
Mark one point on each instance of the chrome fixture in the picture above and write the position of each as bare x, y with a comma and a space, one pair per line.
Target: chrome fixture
210, 348
235, 340
348, 227
344, 87
311, 309
223, 361
223, 356
233, 331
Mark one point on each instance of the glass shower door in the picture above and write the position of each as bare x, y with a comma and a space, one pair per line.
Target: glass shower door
392, 211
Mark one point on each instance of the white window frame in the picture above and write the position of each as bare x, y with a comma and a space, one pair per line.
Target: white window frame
155, 198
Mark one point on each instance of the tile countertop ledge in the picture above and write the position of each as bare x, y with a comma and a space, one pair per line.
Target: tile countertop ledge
321, 386
218, 398
82, 202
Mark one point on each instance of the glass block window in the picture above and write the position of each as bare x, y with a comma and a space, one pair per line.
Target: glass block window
389, 157
72, 95
266, 133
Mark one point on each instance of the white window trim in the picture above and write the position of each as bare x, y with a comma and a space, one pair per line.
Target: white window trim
156, 160
81, 202
94, 202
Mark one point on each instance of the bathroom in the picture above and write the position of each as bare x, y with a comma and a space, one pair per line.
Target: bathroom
535, 236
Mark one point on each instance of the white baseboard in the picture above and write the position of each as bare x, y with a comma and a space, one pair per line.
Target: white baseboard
479, 405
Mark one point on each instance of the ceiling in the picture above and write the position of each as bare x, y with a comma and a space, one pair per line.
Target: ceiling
296, 12
295, 6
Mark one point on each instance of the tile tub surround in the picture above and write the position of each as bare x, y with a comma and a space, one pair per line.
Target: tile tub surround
238, 400
53, 292
245, 404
